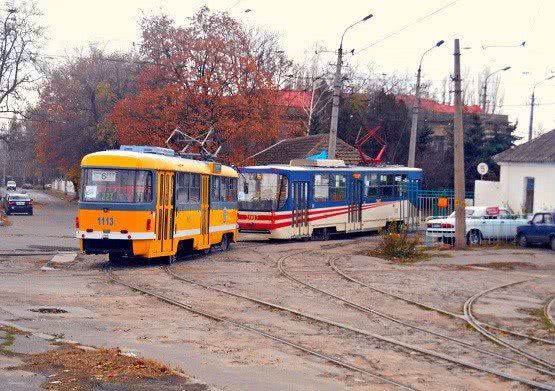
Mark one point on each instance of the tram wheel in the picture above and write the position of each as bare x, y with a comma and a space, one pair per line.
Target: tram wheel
115, 257
224, 244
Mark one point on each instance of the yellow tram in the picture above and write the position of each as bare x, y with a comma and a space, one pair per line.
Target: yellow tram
148, 202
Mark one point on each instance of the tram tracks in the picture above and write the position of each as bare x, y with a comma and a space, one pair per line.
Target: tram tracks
471, 319
439, 310
467, 316
547, 311
193, 309
394, 342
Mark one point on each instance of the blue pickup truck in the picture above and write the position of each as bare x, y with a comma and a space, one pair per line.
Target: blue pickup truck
540, 230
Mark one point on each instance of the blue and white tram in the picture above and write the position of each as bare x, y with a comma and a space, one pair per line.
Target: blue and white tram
321, 197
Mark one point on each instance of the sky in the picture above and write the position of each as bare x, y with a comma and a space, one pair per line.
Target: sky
477, 23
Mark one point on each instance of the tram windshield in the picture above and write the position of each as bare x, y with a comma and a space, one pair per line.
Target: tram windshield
262, 192
116, 185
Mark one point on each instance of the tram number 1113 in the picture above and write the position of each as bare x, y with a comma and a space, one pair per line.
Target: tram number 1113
105, 221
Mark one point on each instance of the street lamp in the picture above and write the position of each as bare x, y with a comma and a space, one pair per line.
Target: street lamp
485, 88
337, 92
416, 108
532, 103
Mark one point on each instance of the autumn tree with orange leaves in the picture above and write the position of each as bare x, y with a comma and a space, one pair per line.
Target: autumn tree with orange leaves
208, 74
71, 116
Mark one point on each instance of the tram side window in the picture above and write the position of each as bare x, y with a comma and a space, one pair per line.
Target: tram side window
386, 185
182, 188
194, 188
371, 185
187, 188
230, 189
400, 185
215, 188
321, 188
338, 191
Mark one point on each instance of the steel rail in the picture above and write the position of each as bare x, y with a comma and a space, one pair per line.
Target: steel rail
517, 334
547, 310
243, 326
310, 317
471, 319
418, 304
429, 307
417, 348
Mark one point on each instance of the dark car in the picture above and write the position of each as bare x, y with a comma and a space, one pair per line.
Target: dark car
18, 203
540, 230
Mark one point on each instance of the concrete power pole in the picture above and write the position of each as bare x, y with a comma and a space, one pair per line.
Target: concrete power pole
414, 124
416, 109
337, 92
531, 125
458, 146
484, 95
335, 106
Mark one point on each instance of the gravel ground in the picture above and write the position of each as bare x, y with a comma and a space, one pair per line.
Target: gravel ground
102, 313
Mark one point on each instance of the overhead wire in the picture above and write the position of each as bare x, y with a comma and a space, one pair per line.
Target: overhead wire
392, 34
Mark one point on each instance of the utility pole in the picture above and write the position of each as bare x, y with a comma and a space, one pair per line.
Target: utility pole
485, 88
531, 125
335, 105
337, 93
484, 95
416, 110
458, 145
414, 124
532, 103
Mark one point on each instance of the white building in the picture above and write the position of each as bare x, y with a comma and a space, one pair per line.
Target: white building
527, 177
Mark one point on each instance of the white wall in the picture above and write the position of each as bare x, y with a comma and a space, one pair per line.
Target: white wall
486, 193
65, 186
512, 185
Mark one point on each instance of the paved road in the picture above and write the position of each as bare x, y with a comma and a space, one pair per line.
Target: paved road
51, 228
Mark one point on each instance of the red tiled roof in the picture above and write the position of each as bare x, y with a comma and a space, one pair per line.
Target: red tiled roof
295, 98
431, 105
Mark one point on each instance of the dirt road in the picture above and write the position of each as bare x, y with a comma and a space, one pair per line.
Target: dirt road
384, 335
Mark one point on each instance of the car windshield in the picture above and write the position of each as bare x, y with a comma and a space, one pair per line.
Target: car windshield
262, 192
116, 185
469, 212
19, 198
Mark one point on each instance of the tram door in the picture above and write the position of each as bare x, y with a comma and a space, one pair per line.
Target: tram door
355, 205
300, 209
205, 212
165, 212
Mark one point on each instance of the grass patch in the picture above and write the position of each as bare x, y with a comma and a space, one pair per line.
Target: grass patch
399, 246
9, 339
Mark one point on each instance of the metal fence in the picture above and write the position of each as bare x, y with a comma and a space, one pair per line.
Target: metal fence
438, 203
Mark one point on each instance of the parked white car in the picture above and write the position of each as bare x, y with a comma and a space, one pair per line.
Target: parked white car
482, 223
10, 185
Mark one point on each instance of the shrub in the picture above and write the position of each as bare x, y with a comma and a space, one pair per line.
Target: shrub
398, 244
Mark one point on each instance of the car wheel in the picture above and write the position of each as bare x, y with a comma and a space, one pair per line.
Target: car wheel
224, 244
30, 213
474, 238
522, 240
553, 243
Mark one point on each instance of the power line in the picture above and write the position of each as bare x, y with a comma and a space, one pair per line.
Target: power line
528, 104
405, 27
